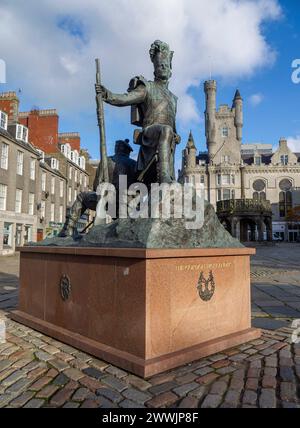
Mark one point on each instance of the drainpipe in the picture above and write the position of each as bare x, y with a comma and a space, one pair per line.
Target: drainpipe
242, 169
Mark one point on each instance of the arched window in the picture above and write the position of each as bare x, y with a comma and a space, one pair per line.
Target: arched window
260, 194
285, 197
288, 200
282, 211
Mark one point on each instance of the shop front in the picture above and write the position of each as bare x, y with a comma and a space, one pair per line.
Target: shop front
16, 230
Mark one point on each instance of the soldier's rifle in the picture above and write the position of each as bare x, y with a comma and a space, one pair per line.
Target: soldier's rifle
100, 117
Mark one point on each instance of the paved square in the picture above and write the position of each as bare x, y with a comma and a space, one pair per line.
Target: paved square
37, 371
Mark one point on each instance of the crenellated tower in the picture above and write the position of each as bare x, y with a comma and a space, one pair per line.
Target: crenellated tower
210, 89
223, 127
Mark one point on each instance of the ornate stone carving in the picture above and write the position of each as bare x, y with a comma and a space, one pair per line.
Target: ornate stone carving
206, 287
65, 287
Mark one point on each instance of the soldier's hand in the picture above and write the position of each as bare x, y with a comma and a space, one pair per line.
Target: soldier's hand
101, 90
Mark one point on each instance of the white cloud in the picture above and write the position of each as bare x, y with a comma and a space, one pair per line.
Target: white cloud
70, 64
256, 99
50, 46
294, 143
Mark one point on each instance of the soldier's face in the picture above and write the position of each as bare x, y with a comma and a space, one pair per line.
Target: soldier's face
162, 70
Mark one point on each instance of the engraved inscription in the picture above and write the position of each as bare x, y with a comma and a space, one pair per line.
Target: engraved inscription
203, 266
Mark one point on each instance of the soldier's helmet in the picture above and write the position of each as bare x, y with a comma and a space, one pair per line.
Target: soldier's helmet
123, 146
160, 52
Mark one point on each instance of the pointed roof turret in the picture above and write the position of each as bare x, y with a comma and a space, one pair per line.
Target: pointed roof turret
237, 95
191, 143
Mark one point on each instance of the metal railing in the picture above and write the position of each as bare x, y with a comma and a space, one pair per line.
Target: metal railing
244, 205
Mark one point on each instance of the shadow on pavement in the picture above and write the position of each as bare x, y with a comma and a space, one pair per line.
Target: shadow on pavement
9, 285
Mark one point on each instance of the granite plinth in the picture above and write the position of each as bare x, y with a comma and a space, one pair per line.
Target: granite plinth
139, 309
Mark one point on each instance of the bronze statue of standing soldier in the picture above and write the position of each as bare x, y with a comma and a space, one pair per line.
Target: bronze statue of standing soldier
154, 109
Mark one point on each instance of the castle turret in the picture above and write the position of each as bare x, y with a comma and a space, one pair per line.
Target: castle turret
238, 119
190, 152
210, 89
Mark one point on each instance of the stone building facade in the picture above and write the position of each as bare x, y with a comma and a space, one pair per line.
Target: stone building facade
76, 175
62, 153
252, 187
18, 212
51, 197
41, 173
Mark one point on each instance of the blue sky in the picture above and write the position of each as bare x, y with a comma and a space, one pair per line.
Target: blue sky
278, 114
50, 47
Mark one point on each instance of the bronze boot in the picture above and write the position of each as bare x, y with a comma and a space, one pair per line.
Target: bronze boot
164, 164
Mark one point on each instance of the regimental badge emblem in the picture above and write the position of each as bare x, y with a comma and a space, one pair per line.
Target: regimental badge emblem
206, 287
65, 287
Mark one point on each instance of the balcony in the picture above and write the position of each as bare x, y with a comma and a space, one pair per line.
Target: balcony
244, 206
246, 219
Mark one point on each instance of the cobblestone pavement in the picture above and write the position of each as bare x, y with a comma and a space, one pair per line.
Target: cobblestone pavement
275, 278
37, 371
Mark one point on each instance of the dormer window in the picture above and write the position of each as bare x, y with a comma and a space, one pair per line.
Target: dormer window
3, 120
22, 133
54, 164
284, 159
82, 162
75, 156
225, 132
257, 160
66, 150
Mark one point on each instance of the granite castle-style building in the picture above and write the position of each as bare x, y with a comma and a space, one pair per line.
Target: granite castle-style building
252, 188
